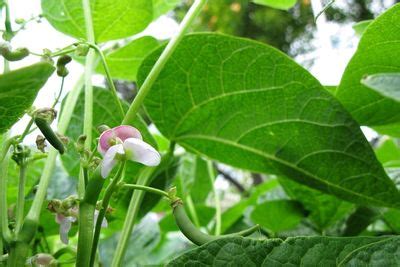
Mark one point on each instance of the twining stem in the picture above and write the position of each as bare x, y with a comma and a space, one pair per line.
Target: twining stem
102, 212
109, 78
6, 233
147, 189
19, 217
87, 207
218, 222
133, 209
166, 54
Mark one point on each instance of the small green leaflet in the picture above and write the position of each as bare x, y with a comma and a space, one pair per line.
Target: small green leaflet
18, 90
295, 251
377, 53
125, 61
163, 6
278, 4
361, 26
111, 19
386, 84
248, 105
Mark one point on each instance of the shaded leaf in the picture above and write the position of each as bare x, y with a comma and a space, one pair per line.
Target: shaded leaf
278, 215
248, 105
324, 209
386, 84
18, 90
360, 220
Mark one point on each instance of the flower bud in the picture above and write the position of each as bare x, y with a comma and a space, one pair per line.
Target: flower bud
41, 143
82, 50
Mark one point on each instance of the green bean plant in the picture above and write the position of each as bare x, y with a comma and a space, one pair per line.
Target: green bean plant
117, 183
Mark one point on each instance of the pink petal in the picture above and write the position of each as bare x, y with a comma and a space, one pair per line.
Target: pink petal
139, 151
65, 226
123, 132
109, 161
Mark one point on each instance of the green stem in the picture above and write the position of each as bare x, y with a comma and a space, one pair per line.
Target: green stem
147, 189
192, 210
133, 209
63, 51
59, 93
102, 212
7, 21
21, 197
218, 213
166, 54
109, 78
6, 233
26, 131
86, 218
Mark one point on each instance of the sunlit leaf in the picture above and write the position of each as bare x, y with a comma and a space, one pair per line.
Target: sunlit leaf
111, 19
250, 106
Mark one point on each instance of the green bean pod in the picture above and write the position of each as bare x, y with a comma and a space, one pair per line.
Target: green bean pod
49, 134
15, 55
195, 235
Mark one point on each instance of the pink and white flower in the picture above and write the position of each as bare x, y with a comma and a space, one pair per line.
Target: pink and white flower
125, 142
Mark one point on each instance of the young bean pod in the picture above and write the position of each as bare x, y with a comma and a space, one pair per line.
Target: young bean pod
49, 134
17, 54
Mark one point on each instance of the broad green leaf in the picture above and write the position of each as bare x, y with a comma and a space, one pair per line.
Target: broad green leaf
361, 26
278, 215
246, 104
111, 19
18, 90
386, 84
324, 209
125, 61
388, 153
279, 4
295, 251
377, 52
105, 111
161, 7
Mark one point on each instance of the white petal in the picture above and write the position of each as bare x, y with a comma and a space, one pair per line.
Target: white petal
65, 226
140, 151
109, 161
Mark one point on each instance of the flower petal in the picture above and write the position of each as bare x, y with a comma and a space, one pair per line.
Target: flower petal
65, 226
140, 151
109, 161
123, 132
